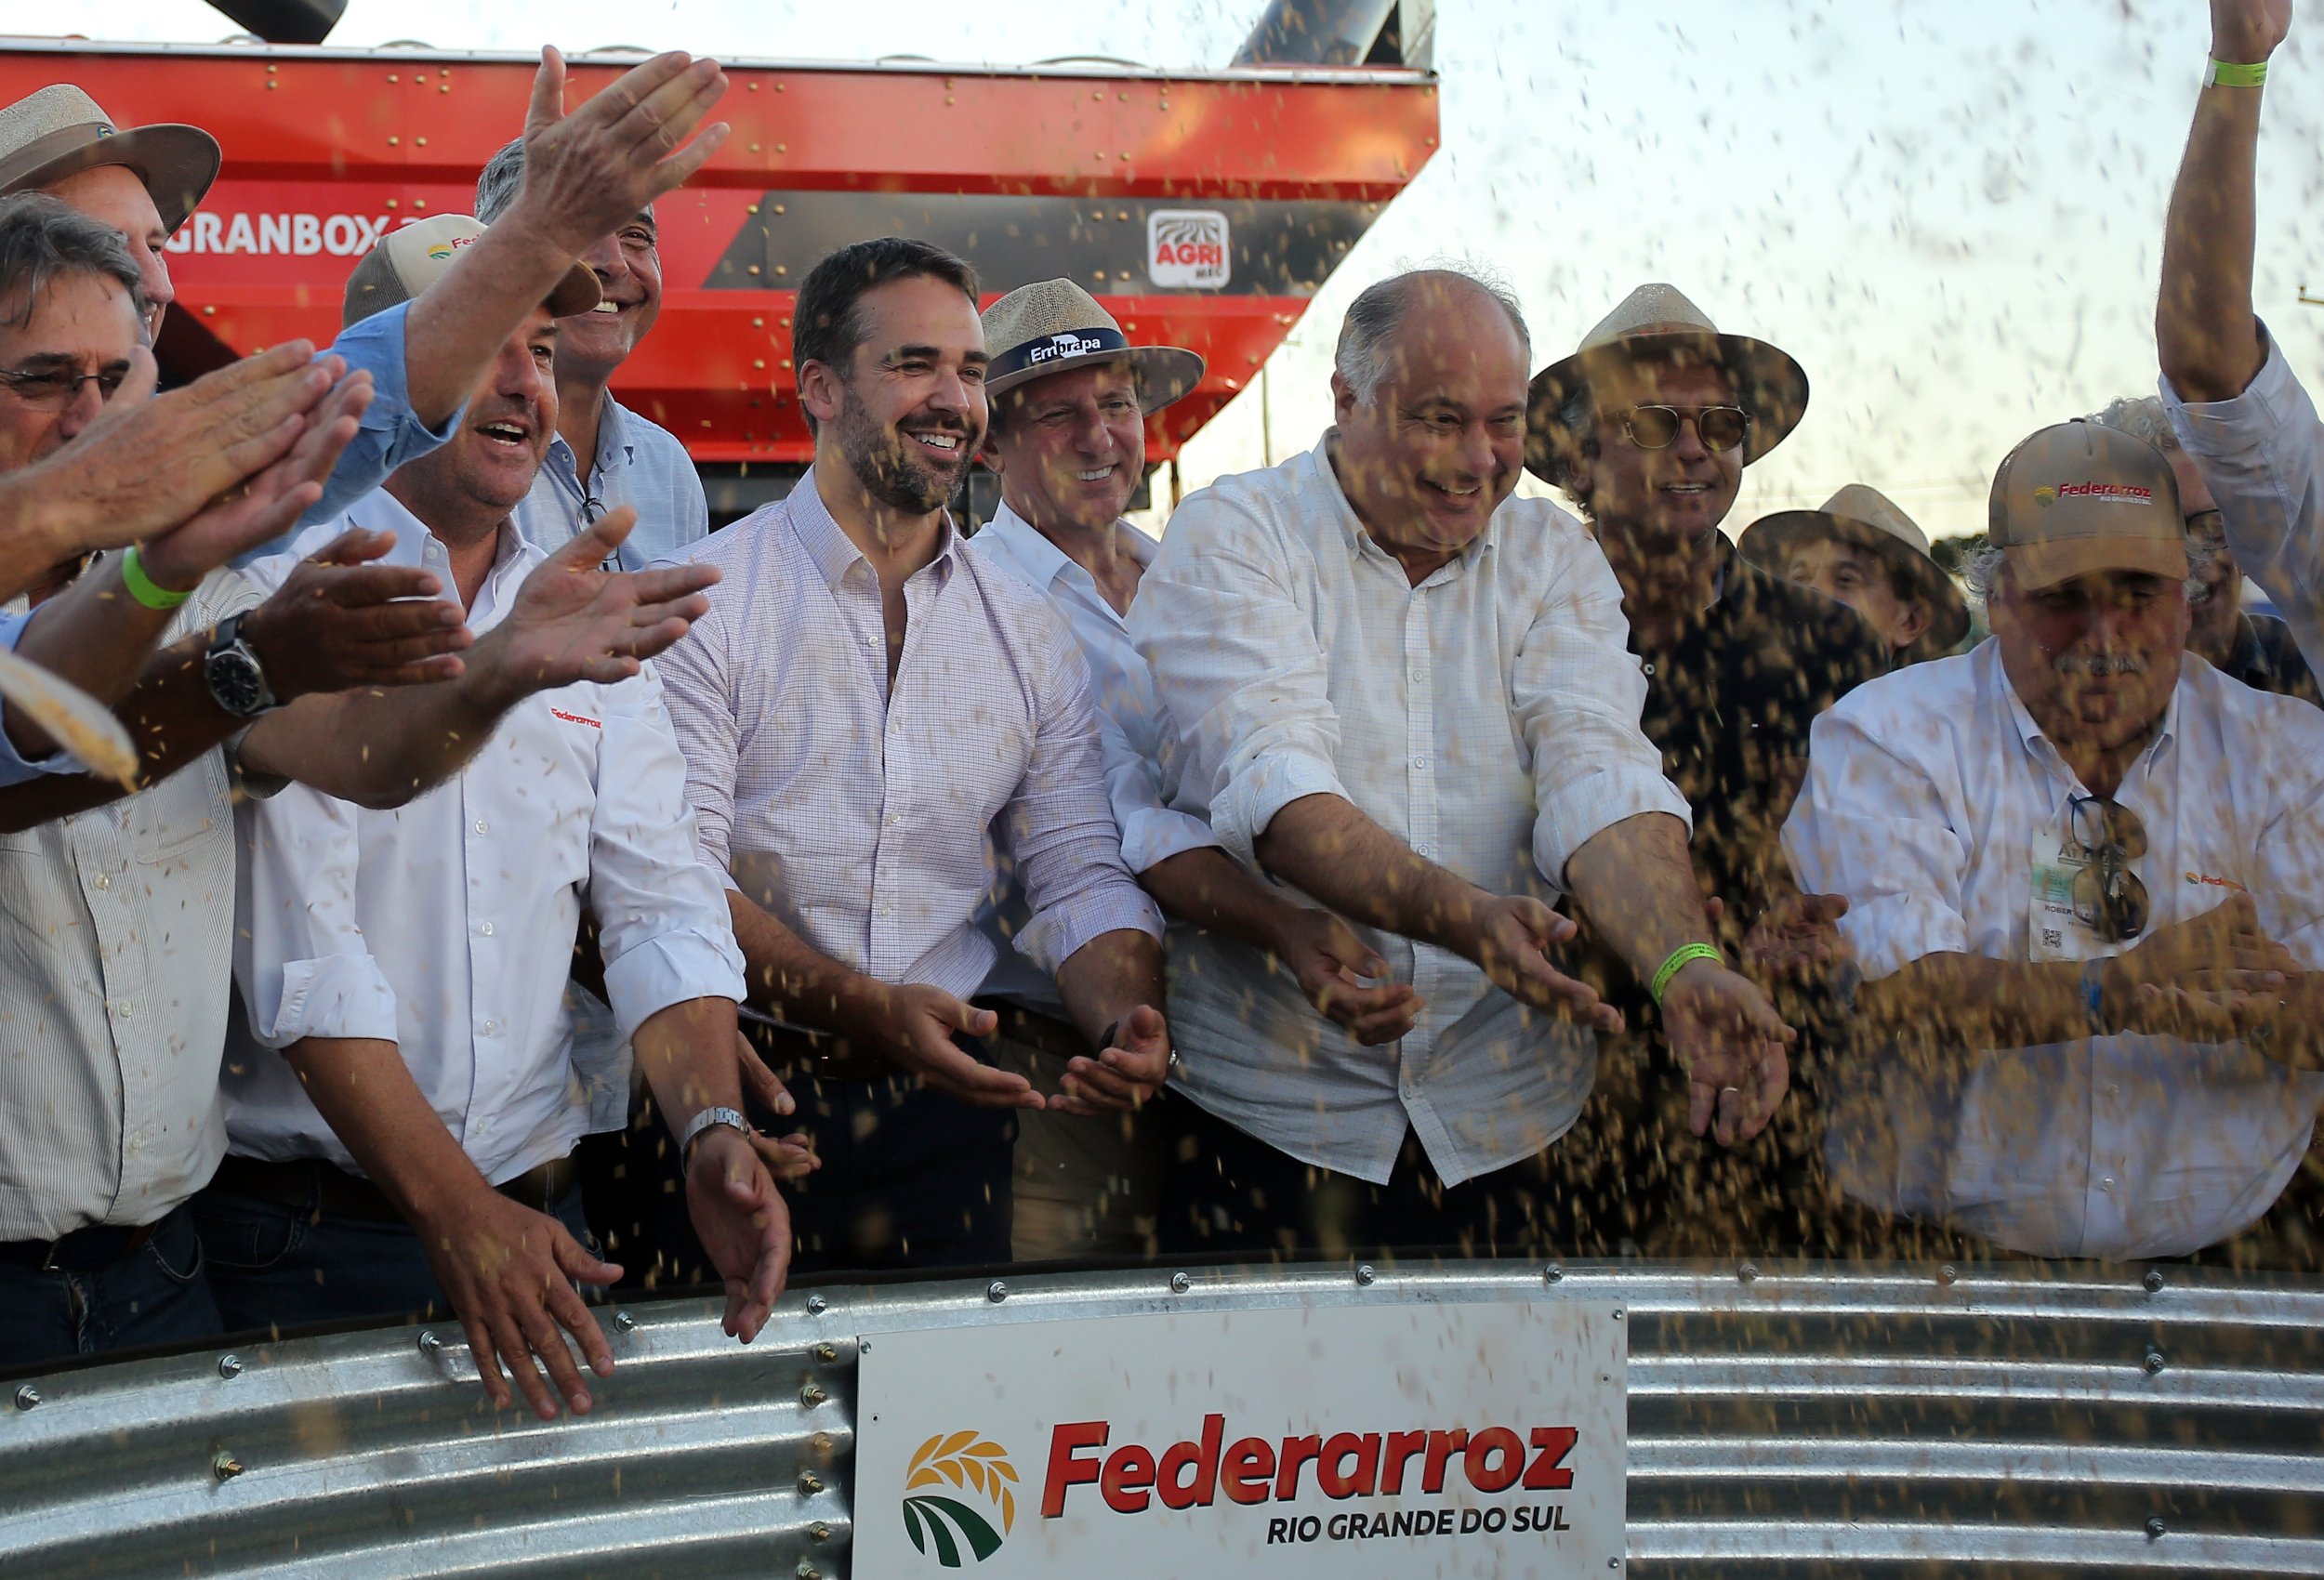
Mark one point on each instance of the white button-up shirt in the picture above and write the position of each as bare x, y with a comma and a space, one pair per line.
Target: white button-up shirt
2263, 453
858, 817
1488, 717
446, 927
1140, 745
1932, 795
116, 974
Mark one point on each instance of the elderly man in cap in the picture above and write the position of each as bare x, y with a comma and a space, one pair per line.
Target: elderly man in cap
1647, 426
1069, 396
1861, 550
2245, 419
119, 918
2258, 650
410, 1145
2086, 888
588, 172
1402, 694
864, 707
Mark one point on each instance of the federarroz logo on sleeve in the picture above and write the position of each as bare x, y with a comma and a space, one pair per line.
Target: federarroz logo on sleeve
1187, 248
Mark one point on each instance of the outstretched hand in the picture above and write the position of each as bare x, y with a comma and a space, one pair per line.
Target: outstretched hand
339, 620
574, 621
1346, 981
743, 1226
1510, 938
1732, 1044
588, 172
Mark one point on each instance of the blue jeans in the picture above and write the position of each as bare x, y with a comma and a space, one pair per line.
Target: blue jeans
277, 1266
158, 1294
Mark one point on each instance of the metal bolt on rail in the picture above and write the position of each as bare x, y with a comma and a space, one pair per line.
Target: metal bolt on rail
225, 1467
1181, 1284
1948, 1274
997, 1292
1748, 1272
2156, 1529
807, 1570
811, 1396
826, 1351
27, 1397
229, 1366
1364, 1273
819, 1532
1553, 1274
429, 1345
2154, 1362
625, 1321
816, 1306
2153, 1280
809, 1483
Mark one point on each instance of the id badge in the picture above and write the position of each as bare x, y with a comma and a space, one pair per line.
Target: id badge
2052, 932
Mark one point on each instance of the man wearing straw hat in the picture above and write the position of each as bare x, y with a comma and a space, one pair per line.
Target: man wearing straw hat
1647, 426
1069, 397
1861, 550
2086, 888
587, 173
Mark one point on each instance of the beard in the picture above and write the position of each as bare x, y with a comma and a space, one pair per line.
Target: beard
894, 469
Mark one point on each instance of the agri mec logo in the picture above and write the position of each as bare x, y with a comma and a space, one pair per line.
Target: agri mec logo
1187, 247
965, 1461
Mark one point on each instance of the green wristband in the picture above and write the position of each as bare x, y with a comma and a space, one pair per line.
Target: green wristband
2226, 74
1680, 958
143, 587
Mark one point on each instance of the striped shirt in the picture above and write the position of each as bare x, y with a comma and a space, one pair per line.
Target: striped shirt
639, 463
1487, 718
858, 817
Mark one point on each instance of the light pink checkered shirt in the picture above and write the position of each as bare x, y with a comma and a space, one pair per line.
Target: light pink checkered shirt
860, 820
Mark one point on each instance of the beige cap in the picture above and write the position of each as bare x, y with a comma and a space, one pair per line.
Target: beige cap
407, 261
2078, 497
1053, 324
61, 131
1865, 516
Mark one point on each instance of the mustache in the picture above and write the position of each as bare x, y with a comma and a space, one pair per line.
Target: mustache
2098, 665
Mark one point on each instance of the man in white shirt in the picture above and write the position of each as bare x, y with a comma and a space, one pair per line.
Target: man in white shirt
1070, 397
2232, 396
1402, 694
2085, 884
409, 1147
863, 702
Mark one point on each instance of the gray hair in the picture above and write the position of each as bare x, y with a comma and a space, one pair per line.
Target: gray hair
2140, 417
42, 237
1378, 312
500, 180
1982, 571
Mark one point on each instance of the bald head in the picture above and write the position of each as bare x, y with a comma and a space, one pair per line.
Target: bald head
1377, 318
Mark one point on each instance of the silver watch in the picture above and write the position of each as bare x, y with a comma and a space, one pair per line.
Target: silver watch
732, 1118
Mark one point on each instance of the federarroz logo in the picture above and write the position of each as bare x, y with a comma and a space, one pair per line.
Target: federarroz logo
1065, 345
962, 1460
1188, 247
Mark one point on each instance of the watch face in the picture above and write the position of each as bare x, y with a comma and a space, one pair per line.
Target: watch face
236, 683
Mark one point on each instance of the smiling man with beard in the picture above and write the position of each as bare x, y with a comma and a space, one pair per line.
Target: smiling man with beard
2085, 880
862, 703
1402, 693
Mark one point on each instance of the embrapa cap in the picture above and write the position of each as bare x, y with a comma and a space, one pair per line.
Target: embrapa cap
1053, 324
407, 261
2078, 497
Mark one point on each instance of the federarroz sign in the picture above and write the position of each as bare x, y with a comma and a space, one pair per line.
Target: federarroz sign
1464, 1439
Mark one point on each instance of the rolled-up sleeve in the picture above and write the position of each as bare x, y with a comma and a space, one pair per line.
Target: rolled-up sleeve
15, 766
696, 691
1237, 664
299, 956
662, 919
390, 434
1058, 826
1577, 693
2262, 455
1152, 831
1871, 827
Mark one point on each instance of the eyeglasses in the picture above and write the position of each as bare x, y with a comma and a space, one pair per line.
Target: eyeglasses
1657, 428
2209, 526
2109, 899
52, 389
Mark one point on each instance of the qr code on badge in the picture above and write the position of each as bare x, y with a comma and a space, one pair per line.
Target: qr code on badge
2052, 939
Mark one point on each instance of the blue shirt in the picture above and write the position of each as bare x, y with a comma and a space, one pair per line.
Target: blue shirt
390, 436
639, 464
14, 769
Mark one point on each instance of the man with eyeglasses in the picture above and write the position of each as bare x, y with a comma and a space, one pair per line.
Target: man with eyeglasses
1647, 426
2085, 886
2258, 650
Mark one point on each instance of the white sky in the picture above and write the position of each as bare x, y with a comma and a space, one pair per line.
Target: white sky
1948, 210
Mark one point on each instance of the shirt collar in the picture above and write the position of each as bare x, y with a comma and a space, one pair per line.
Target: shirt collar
832, 550
1043, 562
513, 558
1996, 679
614, 447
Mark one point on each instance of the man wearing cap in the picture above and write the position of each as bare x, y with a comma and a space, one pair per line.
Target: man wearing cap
591, 170
2250, 425
2085, 884
1069, 396
1400, 693
864, 706
1861, 550
119, 917
409, 1146
1647, 426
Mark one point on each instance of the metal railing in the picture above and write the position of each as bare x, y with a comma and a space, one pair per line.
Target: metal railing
1783, 1418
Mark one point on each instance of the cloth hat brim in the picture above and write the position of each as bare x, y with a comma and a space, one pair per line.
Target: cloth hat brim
1766, 541
2045, 564
177, 163
1165, 373
1768, 383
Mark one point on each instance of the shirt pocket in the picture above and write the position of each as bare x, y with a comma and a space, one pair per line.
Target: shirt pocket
186, 816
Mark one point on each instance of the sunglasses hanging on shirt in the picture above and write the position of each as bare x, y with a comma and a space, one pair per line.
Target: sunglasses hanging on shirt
2109, 899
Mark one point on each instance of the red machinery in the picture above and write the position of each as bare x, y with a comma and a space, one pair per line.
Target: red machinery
1203, 210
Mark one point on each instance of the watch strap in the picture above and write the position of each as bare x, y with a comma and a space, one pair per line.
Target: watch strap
709, 1118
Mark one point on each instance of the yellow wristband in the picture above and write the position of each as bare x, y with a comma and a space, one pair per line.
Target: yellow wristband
2226, 74
1680, 958
142, 587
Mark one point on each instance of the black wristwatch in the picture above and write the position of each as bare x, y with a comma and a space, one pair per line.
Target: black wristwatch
237, 683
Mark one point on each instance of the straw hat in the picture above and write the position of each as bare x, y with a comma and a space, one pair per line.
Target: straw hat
1043, 328
60, 131
1870, 519
407, 261
1659, 321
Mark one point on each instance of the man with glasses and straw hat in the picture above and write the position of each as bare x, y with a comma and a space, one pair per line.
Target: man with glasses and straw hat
1069, 396
1648, 427
1861, 550
2085, 886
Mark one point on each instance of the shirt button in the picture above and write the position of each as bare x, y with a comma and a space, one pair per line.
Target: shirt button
127, 1010
1650, 669
489, 1027
1420, 850
103, 882
480, 826
2107, 1183
1419, 762
887, 910
486, 929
